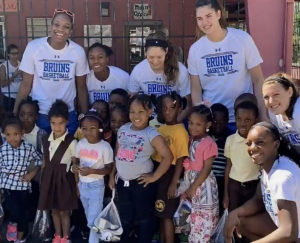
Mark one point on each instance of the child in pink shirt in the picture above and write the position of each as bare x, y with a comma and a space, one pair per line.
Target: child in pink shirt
203, 190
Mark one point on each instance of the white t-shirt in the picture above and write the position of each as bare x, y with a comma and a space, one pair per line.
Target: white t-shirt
100, 90
282, 182
54, 71
223, 67
15, 84
142, 78
290, 129
94, 156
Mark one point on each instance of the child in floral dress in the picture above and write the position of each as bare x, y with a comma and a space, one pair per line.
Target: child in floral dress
203, 190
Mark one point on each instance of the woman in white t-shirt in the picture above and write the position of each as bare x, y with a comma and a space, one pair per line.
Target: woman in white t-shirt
10, 77
283, 103
103, 78
224, 63
53, 67
160, 72
273, 214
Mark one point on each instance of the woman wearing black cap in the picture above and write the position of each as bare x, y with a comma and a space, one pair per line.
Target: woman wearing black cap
160, 72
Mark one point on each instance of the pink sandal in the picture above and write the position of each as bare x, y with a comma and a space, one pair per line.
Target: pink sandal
11, 233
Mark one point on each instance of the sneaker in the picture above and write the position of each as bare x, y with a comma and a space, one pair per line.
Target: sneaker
11, 233
56, 239
65, 240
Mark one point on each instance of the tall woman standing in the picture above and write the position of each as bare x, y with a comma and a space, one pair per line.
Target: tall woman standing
224, 62
53, 66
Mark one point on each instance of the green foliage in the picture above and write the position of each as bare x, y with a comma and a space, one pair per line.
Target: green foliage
296, 36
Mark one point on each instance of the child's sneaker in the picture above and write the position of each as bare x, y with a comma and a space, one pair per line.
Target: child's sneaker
11, 233
65, 240
56, 239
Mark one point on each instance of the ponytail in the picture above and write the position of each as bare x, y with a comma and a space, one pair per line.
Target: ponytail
171, 66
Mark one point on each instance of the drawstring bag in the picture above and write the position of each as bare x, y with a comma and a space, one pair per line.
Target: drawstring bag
218, 234
42, 225
181, 217
108, 223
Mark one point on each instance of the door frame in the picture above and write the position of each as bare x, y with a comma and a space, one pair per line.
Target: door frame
157, 24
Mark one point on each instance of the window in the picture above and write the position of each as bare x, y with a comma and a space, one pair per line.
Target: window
37, 27
97, 33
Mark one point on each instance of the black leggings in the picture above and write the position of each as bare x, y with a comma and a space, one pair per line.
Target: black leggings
16, 203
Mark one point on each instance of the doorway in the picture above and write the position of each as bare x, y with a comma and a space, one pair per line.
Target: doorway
136, 33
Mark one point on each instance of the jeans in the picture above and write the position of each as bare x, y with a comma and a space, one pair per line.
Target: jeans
91, 196
136, 205
44, 123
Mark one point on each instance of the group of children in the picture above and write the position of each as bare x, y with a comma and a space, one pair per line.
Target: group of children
144, 164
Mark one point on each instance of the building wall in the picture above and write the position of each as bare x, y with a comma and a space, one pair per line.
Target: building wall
177, 17
270, 24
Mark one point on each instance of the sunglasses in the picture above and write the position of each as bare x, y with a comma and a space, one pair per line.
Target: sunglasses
64, 11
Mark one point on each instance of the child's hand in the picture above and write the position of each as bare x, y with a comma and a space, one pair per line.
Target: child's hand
75, 168
183, 196
225, 201
112, 182
191, 192
232, 224
28, 177
172, 191
146, 179
85, 171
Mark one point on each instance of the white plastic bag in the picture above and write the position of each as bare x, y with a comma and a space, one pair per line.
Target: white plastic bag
184, 185
42, 225
218, 234
108, 223
182, 217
